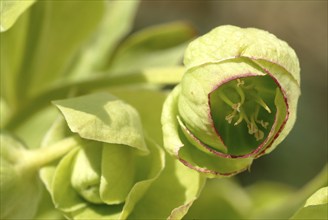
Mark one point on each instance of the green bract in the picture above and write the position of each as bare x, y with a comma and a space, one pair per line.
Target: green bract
236, 101
114, 165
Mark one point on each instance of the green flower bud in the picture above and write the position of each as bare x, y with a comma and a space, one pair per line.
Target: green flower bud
112, 165
236, 101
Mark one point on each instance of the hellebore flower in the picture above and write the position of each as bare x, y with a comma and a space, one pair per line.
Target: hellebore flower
116, 169
236, 101
112, 165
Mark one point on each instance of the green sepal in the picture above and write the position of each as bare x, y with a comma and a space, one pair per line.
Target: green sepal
102, 117
228, 42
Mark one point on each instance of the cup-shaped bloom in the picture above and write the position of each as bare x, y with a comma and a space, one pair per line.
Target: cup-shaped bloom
236, 101
112, 165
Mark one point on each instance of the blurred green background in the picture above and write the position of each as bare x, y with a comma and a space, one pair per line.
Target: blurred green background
303, 24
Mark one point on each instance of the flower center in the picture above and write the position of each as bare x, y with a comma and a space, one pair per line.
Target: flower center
248, 112
243, 111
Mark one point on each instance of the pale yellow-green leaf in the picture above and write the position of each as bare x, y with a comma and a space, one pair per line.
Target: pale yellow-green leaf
11, 10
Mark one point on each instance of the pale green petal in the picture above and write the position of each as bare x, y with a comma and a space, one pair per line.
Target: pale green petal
150, 168
210, 164
174, 189
291, 90
280, 118
64, 196
86, 172
11, 10
169, 120
196, 86
117, 173
180, 146
229, 41
102, 117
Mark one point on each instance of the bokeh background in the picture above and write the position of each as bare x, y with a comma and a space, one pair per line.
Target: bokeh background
303, 24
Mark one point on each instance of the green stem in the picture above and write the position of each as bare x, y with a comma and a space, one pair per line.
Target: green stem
156, 76
37, 158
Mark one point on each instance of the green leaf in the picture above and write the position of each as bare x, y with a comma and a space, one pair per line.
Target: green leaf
117, 22
20, 188
157, 46
316, 207
5, 111
11, 10
103, 117
13, 47
52, 42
